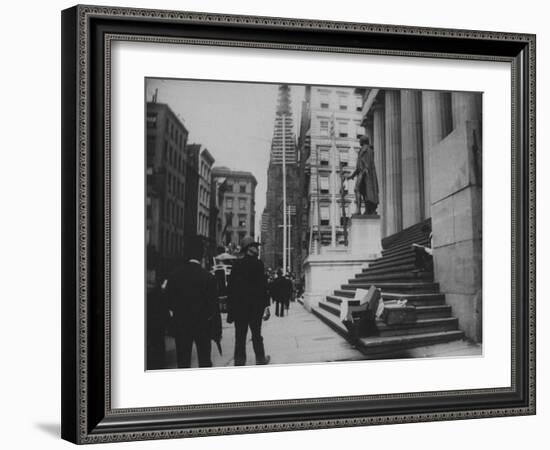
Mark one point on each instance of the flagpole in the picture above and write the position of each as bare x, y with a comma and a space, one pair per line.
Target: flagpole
333, 184
284, 195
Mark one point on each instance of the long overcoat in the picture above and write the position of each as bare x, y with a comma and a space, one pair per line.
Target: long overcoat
367, 181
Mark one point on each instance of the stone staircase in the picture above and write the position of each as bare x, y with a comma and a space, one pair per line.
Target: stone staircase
394, 274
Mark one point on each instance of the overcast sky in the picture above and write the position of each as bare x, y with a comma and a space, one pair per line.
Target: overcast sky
233, 120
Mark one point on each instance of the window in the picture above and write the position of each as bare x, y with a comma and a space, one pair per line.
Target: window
342, 129
242, 220
229, 203
242, 188
323, 100
358, 103
242, 203
325, 215
324, 155
324, 184
344, 157
359, 130
323, 125
229, 219
343, 102
151, 120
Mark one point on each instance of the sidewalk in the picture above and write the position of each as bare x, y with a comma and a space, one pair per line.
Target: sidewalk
298, 337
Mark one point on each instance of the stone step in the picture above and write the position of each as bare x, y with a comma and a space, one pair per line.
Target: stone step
330, 308
397, 268
426, 299
403, 248
420, 326
393, 261
380, 345
389, 241
422, 312
410, 239
387, 345
396, 276
412, 299
408, 287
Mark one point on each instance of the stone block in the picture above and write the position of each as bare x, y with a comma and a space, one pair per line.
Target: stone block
451, 168
443, 222
467, 213
467, 308
458, 267
365, 238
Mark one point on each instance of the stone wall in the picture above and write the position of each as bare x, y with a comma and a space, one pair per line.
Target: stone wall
456, 198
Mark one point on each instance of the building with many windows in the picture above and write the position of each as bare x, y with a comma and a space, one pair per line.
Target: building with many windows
165, 197
206, 161
329, 142
237, 208
191, 191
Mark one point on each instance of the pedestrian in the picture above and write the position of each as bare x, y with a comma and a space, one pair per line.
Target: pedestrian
281, 291
248, 302
192, 297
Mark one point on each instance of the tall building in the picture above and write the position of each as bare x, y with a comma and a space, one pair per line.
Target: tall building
217, 189
329, 142
165, 196
237, 209
283, 148
206, 161
191, 192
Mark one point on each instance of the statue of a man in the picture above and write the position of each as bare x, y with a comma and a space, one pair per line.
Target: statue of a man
366, 185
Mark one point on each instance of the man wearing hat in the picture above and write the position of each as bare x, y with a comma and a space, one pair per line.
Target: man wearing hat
248, 302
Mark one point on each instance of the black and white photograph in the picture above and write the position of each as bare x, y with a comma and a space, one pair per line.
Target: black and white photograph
297, 224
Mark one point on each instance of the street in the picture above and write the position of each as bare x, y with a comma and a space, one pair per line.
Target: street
298, 337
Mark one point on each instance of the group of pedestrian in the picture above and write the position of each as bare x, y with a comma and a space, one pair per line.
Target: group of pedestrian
192, 299
281, 292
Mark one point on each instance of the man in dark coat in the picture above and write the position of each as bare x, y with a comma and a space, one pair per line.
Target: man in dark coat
281, 292
192, 297
248, 302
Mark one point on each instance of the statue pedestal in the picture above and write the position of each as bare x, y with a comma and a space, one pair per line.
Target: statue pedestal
364, 236
332, 267
326, 272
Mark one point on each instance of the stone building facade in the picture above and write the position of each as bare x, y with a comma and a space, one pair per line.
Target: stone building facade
428, 147
166, 169
331, 126
237, 207
204, 186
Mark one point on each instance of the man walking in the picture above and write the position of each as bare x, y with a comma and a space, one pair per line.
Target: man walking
248, 302
192, 298
281, 292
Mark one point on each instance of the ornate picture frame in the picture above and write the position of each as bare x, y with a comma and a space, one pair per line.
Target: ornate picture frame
88, 33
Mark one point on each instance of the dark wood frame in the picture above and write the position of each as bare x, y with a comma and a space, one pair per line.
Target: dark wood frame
87, 32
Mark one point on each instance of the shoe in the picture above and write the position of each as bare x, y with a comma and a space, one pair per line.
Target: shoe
264, 361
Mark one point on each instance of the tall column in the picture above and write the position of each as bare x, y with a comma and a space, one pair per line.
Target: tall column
466, 107
436, 124
379, 144
411, 157
368, 124
394, 221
